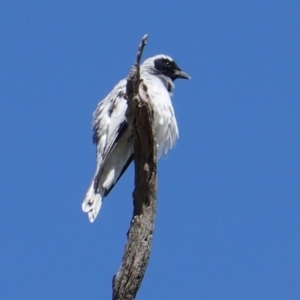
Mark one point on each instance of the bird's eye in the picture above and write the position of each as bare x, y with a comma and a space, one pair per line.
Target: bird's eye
168, 63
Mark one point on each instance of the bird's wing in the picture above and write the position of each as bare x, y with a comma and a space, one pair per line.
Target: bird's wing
114, 147
109, 122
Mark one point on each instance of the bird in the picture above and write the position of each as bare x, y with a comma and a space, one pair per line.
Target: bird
114, 138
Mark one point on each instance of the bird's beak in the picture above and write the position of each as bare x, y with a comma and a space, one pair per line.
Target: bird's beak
181, 74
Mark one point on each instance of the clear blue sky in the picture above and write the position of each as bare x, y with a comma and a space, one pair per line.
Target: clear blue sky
228, 224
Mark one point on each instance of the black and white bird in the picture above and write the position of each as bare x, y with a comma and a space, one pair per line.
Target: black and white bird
113, 137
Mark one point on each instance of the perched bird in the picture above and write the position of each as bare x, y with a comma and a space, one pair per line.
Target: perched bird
114, 138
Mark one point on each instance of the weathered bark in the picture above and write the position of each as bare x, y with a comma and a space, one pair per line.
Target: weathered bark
137, 250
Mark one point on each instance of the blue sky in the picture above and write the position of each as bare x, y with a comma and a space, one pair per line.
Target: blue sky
228, 223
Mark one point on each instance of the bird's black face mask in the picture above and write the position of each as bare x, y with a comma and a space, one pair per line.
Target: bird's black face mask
169, 68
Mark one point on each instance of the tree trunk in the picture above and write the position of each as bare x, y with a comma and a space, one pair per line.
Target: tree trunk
137, 250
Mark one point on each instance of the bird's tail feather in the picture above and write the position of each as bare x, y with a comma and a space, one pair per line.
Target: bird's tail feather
92, 203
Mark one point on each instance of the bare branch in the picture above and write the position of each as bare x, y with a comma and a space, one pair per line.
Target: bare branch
141, 49
133, 79
137, 250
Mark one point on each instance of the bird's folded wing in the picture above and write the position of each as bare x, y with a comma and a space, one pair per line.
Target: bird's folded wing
109, 122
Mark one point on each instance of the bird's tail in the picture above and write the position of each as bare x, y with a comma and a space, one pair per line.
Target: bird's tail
92, 203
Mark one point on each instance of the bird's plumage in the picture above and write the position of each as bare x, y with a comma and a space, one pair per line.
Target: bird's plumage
113, 137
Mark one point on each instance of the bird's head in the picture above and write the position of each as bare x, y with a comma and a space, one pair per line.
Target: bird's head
166, 66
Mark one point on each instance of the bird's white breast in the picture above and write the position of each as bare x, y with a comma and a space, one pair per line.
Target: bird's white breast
164, 117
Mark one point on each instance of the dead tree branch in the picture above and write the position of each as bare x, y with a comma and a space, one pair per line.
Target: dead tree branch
137, 250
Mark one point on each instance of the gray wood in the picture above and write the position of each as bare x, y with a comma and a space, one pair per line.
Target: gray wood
139, 237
